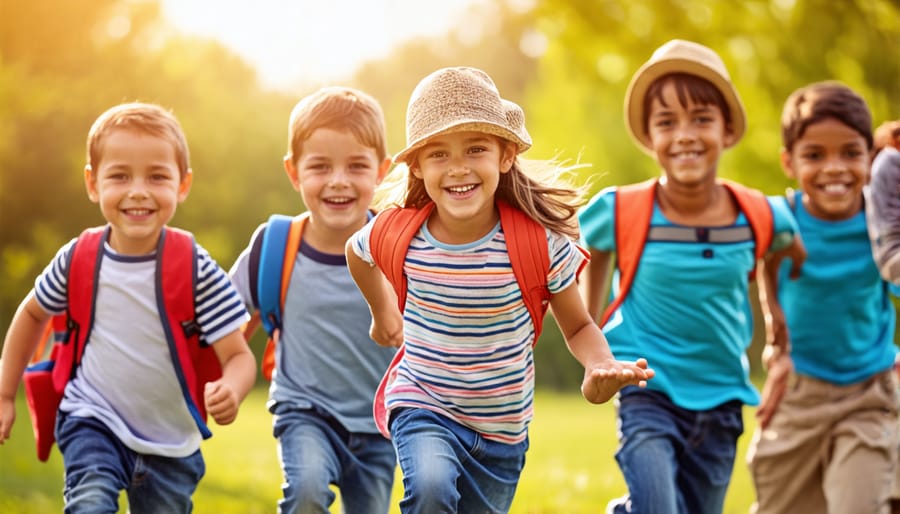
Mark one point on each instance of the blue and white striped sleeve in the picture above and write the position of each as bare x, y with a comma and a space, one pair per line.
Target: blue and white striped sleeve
220, 310
50, 287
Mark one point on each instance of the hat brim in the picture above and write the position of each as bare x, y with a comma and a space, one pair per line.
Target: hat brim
637, 90
465, 126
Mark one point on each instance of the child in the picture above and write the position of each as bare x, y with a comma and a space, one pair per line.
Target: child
118, 427
688, 305
828, 417
326, 367
458, 402
883, 201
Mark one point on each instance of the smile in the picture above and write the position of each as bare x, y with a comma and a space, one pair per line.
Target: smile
462, 189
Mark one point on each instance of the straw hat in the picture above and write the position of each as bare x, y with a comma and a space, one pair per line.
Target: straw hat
461, 99
679, 56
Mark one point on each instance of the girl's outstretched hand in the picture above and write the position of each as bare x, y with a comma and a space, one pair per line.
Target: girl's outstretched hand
603, 380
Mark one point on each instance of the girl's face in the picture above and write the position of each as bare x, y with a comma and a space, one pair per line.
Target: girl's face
688, 140
461, 171
830, 162
138, 186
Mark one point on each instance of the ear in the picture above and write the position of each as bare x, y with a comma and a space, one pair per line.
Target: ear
508, 157
729, 139
383, 169
787, 164
185, 186
414, 169
293, 175
90, 183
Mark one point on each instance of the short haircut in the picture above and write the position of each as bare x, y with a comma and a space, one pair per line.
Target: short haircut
687, 87
338, 108
820, 101
143, 117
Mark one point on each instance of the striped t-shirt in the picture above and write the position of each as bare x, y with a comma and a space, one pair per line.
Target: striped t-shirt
467, 332
127, 378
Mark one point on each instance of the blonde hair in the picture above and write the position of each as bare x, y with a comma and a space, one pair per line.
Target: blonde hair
542, 189
143, 117
337, 108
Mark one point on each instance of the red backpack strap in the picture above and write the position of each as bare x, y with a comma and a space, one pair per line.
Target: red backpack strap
633, 211
392, 232
81, 286
176, 282
526, 241
756, 208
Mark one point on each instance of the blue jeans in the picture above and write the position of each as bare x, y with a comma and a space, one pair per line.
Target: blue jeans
449, 468
315, 450
674, 460
98, 467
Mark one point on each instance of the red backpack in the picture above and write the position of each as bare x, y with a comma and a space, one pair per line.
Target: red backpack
176, 279
634, 208
526, 240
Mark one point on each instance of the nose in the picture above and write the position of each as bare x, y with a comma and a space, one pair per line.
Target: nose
684, 133
457, 167
338, 177
834, 164
138, 190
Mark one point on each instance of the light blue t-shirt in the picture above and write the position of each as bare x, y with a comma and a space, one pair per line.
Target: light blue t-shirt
839, 312
688, 311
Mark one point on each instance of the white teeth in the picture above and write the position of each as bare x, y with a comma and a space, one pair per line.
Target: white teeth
461, 189
138, 212
339, 200
835, 188
687, 155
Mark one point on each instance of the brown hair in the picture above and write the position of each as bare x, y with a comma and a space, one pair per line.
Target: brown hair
544, 192
687, 87
337, 108
819, 101
143, 117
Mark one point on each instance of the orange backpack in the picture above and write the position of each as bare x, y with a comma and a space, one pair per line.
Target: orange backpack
634, 208
526, 240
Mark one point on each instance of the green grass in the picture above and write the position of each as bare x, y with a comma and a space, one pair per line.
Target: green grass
569, 469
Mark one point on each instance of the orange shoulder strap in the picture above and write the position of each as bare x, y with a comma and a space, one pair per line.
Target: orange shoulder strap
633, 210
759, 214
392, 232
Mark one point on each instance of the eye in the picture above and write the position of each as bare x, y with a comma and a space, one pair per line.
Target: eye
436, 154
811, 155
477, 149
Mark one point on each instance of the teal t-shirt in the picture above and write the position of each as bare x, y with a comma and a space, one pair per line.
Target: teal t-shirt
839, 312
688, 311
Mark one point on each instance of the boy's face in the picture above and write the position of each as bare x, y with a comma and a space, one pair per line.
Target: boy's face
688, 141
138, 186
461, 172
830, 162
336, 176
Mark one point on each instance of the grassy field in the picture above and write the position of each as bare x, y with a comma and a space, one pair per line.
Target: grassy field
570, 467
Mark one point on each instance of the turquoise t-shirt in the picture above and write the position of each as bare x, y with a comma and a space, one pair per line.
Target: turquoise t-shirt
839, 312
688, 311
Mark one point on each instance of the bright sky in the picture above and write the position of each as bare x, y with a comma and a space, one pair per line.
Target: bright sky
312, 41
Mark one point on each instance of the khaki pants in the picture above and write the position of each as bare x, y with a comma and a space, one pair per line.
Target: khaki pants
828, 449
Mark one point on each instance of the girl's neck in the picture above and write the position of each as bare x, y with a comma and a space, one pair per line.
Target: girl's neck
453, 231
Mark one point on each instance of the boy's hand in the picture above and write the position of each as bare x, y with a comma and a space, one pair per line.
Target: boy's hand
221, 402
603, 380
7, 417
796, 252
780, 366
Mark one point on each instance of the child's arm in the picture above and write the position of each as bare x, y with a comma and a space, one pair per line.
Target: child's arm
224, 396
387, 321
603, 374
776, 356
594, 282
883, 213
22, 339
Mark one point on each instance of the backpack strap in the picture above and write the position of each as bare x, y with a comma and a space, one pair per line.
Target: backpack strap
529, 255
756, 208
274, 257
195, 361
633, 210
392, 232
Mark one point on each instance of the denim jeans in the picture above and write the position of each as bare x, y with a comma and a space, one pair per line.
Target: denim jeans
674, 460
449, 468
315, 450
98, 466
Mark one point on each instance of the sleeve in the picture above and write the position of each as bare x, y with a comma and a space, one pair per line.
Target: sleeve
566, 261
597, 221
784, 224
51, 286
360, 242
883, 213
217, 302
240, 270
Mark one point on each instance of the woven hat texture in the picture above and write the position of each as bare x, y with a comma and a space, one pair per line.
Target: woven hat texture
461, 99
